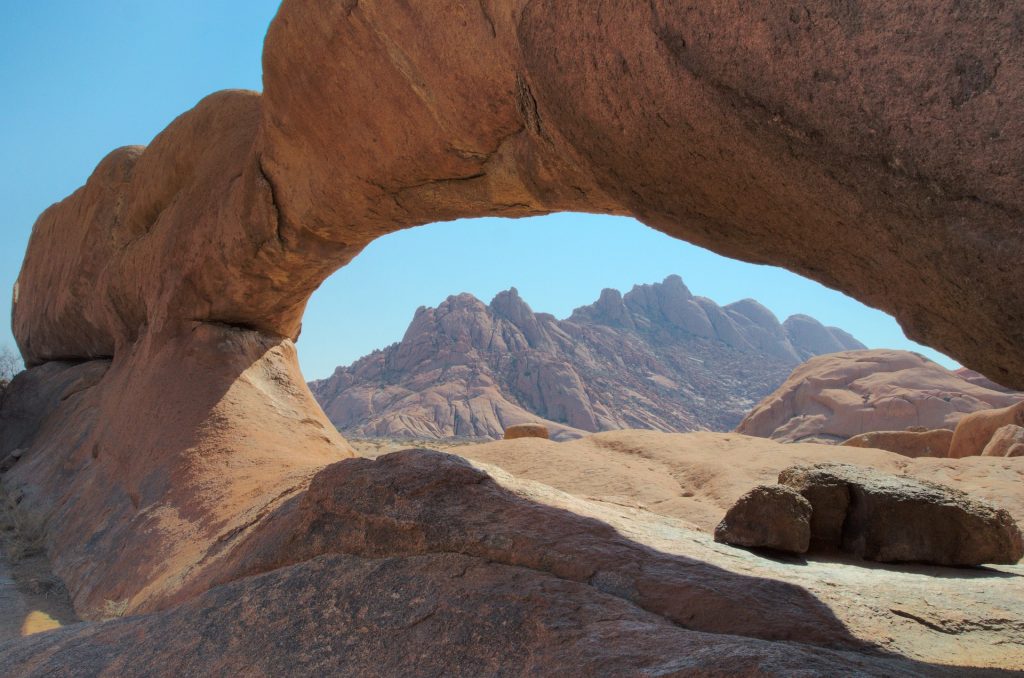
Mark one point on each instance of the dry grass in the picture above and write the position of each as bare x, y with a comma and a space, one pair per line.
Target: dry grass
113, 609
21, 531
375, 447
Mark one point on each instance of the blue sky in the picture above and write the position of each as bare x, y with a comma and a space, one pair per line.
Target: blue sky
83, 78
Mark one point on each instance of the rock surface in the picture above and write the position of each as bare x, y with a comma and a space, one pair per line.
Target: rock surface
1007, 441
769, 516
980, 379
697, 477
835, 397
455, 616
238, 210
887, 518
927, 443
657, 358
974, 432
810, 139
230, 432
526, 431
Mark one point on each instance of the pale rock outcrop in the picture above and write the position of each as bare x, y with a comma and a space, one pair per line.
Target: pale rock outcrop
835, 397
980, 379
810, 338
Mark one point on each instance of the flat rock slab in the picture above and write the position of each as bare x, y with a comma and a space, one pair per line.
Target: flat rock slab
909, 443
887, 518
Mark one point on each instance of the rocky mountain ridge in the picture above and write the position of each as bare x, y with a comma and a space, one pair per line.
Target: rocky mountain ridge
657, 357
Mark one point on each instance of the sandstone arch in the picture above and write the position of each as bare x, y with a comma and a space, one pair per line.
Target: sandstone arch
858, 145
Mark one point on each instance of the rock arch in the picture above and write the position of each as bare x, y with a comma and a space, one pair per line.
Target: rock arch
858, 145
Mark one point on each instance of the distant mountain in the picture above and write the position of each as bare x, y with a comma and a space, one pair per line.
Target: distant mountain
656, 358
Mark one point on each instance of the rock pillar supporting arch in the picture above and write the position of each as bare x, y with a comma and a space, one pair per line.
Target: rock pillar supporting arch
857, 145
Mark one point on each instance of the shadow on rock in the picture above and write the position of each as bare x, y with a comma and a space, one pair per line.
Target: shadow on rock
420, 563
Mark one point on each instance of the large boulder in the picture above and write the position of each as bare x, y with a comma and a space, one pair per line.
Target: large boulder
888, 518
838, 396
974, 432
1007, 441
927, 443
773, 517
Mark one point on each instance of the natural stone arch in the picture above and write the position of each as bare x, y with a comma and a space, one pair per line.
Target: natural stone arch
859, 146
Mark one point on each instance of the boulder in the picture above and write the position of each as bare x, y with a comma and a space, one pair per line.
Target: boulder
526, 431
841, 395
910, 443
888, 518
1007, 441
769, 516
974, 432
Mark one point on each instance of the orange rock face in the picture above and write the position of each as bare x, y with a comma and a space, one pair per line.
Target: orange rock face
526, 431
858, 145
927, 443
974, 432
1007, 441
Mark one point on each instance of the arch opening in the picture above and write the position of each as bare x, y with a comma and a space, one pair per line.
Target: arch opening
190, 262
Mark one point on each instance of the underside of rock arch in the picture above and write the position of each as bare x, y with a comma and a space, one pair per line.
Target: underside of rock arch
872, 147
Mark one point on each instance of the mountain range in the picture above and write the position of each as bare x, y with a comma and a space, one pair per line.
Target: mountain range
657, 357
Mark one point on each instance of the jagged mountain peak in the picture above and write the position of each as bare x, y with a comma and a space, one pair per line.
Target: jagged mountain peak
656, 357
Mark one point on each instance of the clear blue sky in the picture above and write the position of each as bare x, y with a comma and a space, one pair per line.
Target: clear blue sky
83, 78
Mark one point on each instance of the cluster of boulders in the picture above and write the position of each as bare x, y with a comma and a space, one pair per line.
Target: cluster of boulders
871, 515
989, 433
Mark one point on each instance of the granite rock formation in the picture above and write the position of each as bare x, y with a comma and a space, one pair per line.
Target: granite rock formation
975, 431
910, 443
880, 516
1007, 441
656, 357
980, 380
858, 145
772, 517
838, 396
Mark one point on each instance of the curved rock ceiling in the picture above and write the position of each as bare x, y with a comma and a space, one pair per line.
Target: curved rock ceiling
875, 149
